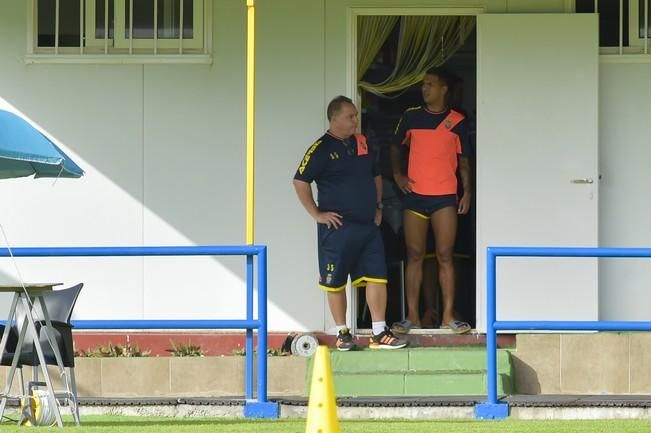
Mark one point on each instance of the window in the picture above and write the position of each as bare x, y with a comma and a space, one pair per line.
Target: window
621, 23
609, 20
119, 26
638, 10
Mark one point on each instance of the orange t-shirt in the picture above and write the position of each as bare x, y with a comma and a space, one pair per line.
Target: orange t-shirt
434, 141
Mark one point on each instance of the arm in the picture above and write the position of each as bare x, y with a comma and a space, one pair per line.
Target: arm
464, 170
401, 179
304, 193
378, 199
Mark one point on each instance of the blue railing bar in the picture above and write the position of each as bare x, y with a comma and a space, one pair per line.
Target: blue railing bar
262, 317
166, 324
491, 337
598, 325
570, 252
198, 250
261, 407
493, 325
248, 385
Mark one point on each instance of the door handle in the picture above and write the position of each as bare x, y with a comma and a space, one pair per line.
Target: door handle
584, 180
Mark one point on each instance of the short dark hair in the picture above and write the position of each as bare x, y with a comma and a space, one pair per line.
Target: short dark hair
335, 105
443, 75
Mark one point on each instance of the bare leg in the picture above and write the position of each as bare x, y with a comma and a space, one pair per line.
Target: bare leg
444, 223
415, 232
337, 302
376, 298
430, 290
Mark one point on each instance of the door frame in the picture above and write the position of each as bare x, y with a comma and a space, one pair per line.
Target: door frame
351, 74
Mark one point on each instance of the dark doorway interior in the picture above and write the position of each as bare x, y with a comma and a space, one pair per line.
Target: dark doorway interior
379, 118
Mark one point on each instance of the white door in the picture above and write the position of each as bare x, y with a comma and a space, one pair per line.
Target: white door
537, 161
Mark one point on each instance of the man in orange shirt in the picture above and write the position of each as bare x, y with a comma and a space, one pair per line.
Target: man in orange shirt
438, 143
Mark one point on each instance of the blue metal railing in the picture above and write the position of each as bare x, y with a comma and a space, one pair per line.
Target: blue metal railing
492, 408
258, 408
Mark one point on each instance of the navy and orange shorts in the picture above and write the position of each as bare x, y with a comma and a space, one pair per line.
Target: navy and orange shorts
425, 205
352, 249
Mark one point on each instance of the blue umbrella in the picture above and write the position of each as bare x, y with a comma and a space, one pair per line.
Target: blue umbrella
24, 151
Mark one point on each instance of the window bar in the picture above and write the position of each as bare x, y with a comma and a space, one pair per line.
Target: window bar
181, 27
621, 27
155, 26
646, 26
81, 27
204, 6
596, 6
106, 28
56, 27
130, 26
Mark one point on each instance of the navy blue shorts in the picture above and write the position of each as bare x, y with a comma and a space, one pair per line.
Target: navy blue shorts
425, 205
352, 249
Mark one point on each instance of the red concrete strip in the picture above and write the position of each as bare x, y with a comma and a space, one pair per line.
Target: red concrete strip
215, 344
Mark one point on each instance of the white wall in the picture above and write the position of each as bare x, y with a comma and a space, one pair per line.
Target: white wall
290, 117
163, 150
625, 158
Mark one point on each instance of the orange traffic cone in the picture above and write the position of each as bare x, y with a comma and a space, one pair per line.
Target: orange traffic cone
322, 405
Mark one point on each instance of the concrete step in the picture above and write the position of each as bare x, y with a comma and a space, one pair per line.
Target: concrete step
416, 372
396, 384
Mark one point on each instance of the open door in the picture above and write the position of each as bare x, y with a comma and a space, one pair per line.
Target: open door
537, 161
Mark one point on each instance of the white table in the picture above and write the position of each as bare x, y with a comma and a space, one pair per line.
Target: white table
28, 296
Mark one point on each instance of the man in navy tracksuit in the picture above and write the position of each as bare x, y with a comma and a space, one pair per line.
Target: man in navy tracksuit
348, 213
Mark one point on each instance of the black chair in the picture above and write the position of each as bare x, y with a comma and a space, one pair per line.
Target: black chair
59, 304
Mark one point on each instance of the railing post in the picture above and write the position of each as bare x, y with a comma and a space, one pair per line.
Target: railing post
262, 331
491, 409
252, 409
262, 408
491, 337
248, 347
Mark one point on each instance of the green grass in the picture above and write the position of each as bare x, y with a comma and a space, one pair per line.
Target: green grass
110, 424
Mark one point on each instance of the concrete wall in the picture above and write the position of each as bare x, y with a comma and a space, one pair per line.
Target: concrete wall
210, 376
606, 363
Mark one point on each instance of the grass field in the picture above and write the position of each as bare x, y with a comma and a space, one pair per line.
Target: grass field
109, 424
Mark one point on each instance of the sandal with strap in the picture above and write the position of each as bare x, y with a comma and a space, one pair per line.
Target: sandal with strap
457, 327
403, 327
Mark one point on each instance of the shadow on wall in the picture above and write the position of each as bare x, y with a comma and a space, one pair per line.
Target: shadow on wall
526, 378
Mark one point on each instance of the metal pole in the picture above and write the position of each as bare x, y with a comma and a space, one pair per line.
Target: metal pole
491, 337
597, 325
181, 27
57, 12
199, 250
155, 26
262, 330
106, 25
164, 324
130, 26
249, 331
621, 27
81, 27
646, 26
567, 252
